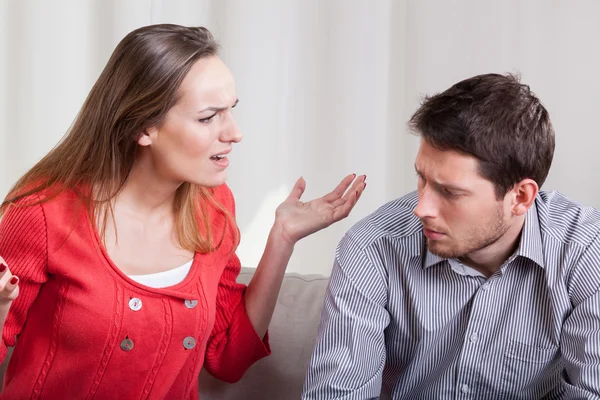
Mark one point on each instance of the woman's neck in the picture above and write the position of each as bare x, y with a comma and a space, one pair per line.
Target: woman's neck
145, 192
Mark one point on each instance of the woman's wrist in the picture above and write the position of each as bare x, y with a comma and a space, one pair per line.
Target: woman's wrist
279, 238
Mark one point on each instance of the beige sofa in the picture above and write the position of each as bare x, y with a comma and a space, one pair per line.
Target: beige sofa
292, 334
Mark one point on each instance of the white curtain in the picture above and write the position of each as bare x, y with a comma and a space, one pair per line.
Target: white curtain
326, 87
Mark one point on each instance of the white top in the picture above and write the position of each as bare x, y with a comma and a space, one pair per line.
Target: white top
164, 279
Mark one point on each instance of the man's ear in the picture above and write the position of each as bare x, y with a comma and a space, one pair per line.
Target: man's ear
524, 194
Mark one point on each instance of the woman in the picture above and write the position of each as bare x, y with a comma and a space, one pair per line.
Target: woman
118, 277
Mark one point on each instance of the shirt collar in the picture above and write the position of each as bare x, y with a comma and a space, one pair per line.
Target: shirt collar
530, 244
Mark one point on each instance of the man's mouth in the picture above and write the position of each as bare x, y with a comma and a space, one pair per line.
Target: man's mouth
432, 234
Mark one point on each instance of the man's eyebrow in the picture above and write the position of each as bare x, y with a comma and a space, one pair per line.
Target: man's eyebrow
444, 185
453, 187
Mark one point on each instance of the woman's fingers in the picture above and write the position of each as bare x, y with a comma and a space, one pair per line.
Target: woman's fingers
347, 203
341, 188
9, 283
358, 186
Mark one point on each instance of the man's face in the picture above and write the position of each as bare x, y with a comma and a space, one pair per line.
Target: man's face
457, 206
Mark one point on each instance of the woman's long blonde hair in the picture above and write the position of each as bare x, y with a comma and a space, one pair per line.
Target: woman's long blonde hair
136, 89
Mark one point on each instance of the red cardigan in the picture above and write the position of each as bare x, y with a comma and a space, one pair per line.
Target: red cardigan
84, 330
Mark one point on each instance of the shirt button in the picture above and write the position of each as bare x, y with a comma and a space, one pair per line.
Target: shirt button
127, 344
485, 286
189, 343
474, 337
191, 303
135, 304
465, 388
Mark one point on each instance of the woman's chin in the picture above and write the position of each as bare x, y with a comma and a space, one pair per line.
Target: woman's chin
212, 181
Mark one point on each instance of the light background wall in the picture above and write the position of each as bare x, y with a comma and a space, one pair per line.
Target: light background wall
326, 87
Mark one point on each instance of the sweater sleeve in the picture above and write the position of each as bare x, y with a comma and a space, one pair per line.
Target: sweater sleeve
23, 245
234, 344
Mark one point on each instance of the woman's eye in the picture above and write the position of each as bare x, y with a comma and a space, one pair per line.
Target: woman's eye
207, 119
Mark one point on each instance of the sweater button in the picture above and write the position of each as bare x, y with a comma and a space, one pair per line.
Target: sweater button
135, 304
127, 344
189, 343
191, 303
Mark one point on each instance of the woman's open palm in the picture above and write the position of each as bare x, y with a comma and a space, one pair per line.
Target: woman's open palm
299, 219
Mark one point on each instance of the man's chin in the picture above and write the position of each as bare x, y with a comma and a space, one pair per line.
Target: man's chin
441, 251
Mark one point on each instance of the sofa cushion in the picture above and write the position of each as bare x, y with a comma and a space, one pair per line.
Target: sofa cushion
292, 335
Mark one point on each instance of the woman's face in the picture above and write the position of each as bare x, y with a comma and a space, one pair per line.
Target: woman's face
197, 134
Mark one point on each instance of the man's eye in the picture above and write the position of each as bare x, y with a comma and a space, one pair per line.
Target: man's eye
449, 193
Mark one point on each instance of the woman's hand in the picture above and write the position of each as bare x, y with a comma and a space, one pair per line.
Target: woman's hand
295, 219
9, 284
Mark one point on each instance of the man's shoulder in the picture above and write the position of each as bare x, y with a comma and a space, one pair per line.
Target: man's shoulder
566, 220
393, 220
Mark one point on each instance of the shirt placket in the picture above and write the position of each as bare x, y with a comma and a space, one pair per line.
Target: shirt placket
476, 335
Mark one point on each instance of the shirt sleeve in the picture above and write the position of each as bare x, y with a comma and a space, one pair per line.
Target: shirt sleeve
233, 345
23, 245
580, 339
349, 356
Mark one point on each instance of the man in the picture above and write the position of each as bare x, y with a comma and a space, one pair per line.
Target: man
477, 286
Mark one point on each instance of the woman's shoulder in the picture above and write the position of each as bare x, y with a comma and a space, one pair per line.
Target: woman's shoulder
223, 195
34, 194
45, 203
223, 226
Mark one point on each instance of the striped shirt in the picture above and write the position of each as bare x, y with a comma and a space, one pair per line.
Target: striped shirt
402, 323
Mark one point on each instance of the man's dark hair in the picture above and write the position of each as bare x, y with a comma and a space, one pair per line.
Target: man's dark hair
496, 119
